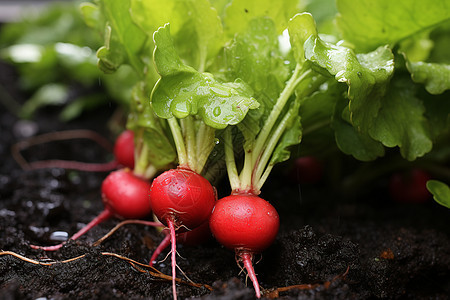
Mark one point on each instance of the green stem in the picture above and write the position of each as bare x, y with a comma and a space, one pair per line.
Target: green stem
230, 161
276, 110
205, 144
245, 177
268, 150
264, 177
179, 141
202, 64
189, 135
142, 166
140, 155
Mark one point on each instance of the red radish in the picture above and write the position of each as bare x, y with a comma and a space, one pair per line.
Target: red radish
410, 187
181, 198
124, 195
243, 221
307, 169
124, 149
247, 224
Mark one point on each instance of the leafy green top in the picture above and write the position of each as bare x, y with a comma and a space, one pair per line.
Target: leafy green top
379, 79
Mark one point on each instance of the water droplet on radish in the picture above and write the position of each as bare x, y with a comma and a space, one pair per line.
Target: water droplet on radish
217, 110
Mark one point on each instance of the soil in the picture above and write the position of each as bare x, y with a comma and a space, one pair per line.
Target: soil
328, 247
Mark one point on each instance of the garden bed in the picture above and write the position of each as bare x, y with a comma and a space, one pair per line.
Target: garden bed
330, 247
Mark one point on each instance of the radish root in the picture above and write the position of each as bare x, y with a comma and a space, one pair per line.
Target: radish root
153, 272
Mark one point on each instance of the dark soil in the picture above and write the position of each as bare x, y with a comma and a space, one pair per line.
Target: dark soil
366, 247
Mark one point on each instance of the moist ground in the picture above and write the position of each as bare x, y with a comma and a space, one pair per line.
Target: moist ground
329, 246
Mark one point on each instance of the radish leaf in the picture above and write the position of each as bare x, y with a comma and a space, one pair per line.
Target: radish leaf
240, 12
436, 77
440, 191
367, 76
369, 24
182, 91
123, 39
401, 122
358, 144
195, 27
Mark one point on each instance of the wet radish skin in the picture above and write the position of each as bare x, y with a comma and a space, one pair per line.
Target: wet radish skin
126, 194
124, 149
244, 222
183, 196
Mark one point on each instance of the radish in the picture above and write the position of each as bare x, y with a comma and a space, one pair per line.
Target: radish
123, 150
182, 197
182, 200
194, 104
124, 195
243, 221
410, 186
247, 224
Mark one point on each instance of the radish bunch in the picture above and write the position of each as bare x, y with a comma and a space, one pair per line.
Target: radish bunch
182, 198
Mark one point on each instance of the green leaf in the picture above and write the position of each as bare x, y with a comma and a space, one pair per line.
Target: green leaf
440, 38
367, 76
349, 140
124, 40
165, 55
182, 91
401, 122
437, 110
301, 27
435, 76
254, 57
92, 15
417, 48
318, 108
324, 12
440, 191
240, 12
195, 27
369, 24
220, 5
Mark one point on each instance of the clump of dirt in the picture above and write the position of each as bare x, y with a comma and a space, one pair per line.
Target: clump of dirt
327, 248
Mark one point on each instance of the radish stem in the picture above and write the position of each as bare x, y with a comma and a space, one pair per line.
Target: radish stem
190, 140
179, 141
276, 110
230, 161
